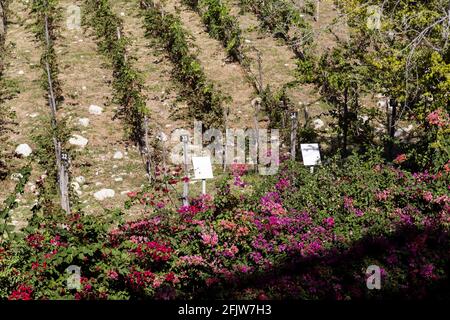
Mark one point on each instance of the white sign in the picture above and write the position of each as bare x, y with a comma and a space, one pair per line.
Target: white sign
311, 154
202, 168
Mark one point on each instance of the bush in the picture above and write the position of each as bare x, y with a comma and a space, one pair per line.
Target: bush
294, 235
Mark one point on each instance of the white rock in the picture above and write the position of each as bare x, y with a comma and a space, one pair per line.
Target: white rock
125, 192
119, 179
364, 118
76, 188
122, 14
318, 124
16, 176
247, 41
80, 180
84, 122
408, 128
21, 72
34, 115
83, 88
78, 141
382, 104
96, 110
104, 194
118, 155
23, 150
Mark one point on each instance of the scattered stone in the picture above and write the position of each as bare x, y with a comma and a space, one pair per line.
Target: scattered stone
31, 186
118, 155
84, 122
78, 141
34, 115
408, 129
382, 104
96, 110
104, 194
81, 180
83, 88
16, 176
119, 179
364, 118
247, 41
76, 187
318, 124
23, 150
21, 72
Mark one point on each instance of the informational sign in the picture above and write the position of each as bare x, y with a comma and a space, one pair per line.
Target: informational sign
202, 168
311, 154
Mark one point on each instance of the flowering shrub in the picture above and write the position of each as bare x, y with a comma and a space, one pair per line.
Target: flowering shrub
293, 235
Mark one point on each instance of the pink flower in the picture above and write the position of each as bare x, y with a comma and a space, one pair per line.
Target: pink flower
132, 195
382, 195
428, 196
282, 184
438, 118
210, 238
113, 275
348, 203
195, 260
329, 221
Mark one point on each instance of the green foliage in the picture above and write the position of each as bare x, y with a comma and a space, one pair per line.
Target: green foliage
7, 91
204, 100
408, 61
41, 9
220, 24
285, 21
10, 203
128, 83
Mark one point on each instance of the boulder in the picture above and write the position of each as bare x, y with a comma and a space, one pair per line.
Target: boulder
318, 124
23, 150
95, 110
84, 122
104, 194
78, 141
80, 180
118, 155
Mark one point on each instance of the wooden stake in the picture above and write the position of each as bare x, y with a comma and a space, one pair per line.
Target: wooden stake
148, 163
294, 126
186, 173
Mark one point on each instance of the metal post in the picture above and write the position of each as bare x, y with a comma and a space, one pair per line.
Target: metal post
203, 186
294, 124
185, 139
148, 164
257, 105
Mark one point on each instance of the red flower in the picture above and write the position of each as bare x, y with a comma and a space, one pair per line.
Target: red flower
400, 158
447, 167
23, 292
262, 296
132, 194
170, 277
185, 179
